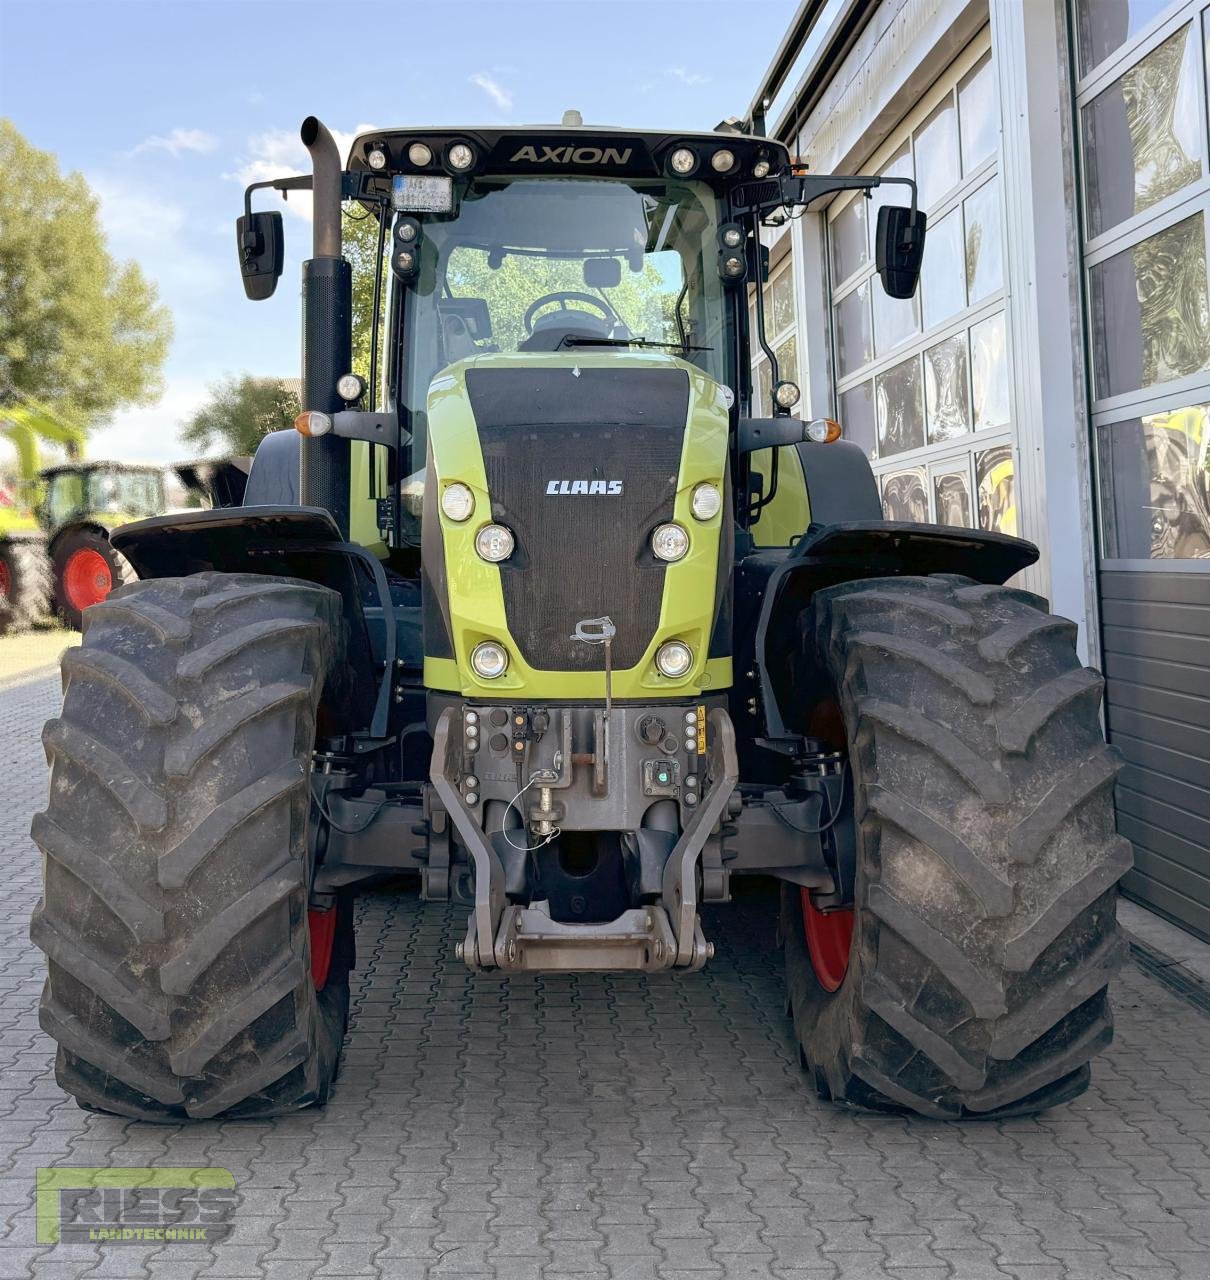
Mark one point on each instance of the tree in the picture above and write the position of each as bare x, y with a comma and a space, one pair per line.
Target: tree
241, 411
360, 250
80, 333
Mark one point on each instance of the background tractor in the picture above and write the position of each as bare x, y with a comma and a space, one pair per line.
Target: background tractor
534, 609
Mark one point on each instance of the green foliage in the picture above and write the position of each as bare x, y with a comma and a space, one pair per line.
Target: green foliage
241, 412
79, 332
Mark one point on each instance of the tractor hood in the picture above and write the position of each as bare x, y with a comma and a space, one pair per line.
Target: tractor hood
581, 457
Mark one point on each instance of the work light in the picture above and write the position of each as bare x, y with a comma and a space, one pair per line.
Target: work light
674, 658
760, 169
489, 660
460, 157
786, 394
377, 158
669, 542
494, 542
350, 387
682, 161
420, 155
457, 501
723, 161
732, 236
706, 501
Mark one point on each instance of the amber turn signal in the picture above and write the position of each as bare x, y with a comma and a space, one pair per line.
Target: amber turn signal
312, 423
823, 430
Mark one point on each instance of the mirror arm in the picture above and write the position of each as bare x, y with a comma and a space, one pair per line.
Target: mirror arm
284, 185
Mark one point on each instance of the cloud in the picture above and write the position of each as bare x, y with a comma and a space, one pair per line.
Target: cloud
494, 90
279, 153
690, 79
179, 141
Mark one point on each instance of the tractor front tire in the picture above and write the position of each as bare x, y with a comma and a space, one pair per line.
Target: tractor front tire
983, 934
187, 978
25, 583
87, 569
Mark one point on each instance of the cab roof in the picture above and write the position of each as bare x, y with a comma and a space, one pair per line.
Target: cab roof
592, 150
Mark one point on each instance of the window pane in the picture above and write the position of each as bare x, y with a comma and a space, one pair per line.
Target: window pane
946, 394
900, 408
857, 417
848, 240
787, 360
989, 373
942, 282
898, 166
764, 388
1106, 25
997, 499
952, 499
904, 496
1141, 134
895, 319
1154, 477
854, 339
984, 259
937, 154
978, 116
779, 303
1150, 315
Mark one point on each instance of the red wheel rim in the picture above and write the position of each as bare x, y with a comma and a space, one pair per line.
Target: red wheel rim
322, 925
829, 937
86, 578
3, 579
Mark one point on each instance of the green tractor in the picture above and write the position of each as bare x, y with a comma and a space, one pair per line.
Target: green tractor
26, 575
514, 615
82, 504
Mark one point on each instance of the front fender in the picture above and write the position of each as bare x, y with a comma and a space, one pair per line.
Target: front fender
844, 552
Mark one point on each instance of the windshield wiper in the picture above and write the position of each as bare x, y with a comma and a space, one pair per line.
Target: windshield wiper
572, 340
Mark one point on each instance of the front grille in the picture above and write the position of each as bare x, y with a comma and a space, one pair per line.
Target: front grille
581, 555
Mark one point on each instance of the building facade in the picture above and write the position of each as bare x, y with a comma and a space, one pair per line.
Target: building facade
1051, 378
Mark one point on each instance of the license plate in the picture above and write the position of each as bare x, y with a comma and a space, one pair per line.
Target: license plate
422, 194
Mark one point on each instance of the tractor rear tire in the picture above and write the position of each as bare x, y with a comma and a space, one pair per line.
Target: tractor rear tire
87, 570
25, 583
984, 933
187, 978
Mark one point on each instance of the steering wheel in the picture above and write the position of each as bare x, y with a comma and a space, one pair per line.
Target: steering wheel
563, 297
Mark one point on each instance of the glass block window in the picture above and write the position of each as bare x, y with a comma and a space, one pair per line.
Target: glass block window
923, 384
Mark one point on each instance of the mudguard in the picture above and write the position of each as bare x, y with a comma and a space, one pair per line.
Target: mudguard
289, 541
842, 552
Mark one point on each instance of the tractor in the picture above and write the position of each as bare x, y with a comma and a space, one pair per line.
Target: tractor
542, 614
82, 503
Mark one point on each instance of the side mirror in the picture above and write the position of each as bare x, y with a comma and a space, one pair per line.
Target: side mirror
899, 249
258, 237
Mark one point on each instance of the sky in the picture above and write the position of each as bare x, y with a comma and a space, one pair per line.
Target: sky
167, 108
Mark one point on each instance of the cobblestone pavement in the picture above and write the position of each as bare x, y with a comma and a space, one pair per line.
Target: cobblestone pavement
612, 1126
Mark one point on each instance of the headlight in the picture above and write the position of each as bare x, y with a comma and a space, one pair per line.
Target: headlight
350, 387
733, 237
420, 154
706, 501
760, 169
786, 394
494, 542
722, 161
674, 658
489, 660
457, 501
460, 157
734, 266
669, 542
682, 161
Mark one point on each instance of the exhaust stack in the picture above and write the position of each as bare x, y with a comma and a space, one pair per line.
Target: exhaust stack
327, 330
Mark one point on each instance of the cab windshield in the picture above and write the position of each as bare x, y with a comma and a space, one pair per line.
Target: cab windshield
564, 264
